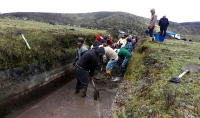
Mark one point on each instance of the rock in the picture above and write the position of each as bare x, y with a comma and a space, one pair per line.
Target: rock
182, 104
161, 65
190, 80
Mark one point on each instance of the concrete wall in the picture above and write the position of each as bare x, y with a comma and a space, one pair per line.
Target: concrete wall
17, 80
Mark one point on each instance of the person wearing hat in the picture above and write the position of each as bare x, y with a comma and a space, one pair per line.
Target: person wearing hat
80, 50
88, 62
153, 20
163, 23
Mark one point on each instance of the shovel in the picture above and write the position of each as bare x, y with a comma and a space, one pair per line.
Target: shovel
19, 32
187, 68
96, 92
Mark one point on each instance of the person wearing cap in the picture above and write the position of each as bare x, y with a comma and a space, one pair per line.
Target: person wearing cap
104, 40
87, 63
80, 50
112, 56
153, 20
125, 55
97, 42
163, 23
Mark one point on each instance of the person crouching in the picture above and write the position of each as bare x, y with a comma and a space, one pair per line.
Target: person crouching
111, 55
125, 55
88, 62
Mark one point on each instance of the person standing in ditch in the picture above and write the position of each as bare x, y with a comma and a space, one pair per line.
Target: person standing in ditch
80, 50
125, 55
153, 20
88, 62
112, 56
163, 23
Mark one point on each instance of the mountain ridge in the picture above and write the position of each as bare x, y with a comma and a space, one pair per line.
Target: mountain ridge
104, 20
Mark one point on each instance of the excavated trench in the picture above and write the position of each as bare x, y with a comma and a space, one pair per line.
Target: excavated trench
57, 99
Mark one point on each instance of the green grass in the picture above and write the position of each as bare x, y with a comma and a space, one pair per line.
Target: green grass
47, 42
148, 90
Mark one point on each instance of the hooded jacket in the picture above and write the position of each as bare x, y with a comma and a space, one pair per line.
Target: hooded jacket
89, 59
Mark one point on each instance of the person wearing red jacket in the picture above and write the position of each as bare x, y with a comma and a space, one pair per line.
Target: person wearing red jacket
109, 41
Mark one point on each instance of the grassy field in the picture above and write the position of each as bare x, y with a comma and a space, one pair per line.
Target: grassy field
147, 92
47, 42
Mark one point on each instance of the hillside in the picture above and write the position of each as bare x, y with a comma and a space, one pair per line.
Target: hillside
146, 91
103, 20
47, 42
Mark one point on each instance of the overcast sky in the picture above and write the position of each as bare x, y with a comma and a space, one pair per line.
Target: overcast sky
175, 10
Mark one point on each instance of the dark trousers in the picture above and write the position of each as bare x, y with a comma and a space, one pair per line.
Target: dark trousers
163, 32
151, 32
82, 78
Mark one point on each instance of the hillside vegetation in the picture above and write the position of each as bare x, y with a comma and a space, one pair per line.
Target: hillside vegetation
105, 20
147, 92
47, 42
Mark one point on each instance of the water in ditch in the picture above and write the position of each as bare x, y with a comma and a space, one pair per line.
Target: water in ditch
63, 103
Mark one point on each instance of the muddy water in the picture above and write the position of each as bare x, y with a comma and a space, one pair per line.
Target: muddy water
63, 103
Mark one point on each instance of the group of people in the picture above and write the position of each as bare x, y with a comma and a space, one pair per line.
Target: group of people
103, 51
163, 23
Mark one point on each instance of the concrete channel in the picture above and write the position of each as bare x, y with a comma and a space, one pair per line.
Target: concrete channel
56, 98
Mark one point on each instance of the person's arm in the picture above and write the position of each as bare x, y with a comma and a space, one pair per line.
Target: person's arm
159, 22
76, 58
167, 22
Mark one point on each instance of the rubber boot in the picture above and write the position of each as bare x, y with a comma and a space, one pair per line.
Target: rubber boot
122, 72
78, 86
108, 74
84, 92
76, 91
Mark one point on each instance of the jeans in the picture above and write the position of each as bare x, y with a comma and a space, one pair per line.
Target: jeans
82, 78
111, 63
125, 62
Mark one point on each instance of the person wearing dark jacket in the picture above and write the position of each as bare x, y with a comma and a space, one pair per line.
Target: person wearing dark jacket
88, 62
163, 23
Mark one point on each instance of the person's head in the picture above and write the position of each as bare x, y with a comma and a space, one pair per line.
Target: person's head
100, 51
152, 11
125, 35
164, 16
80, 41
128, 39
98, 37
